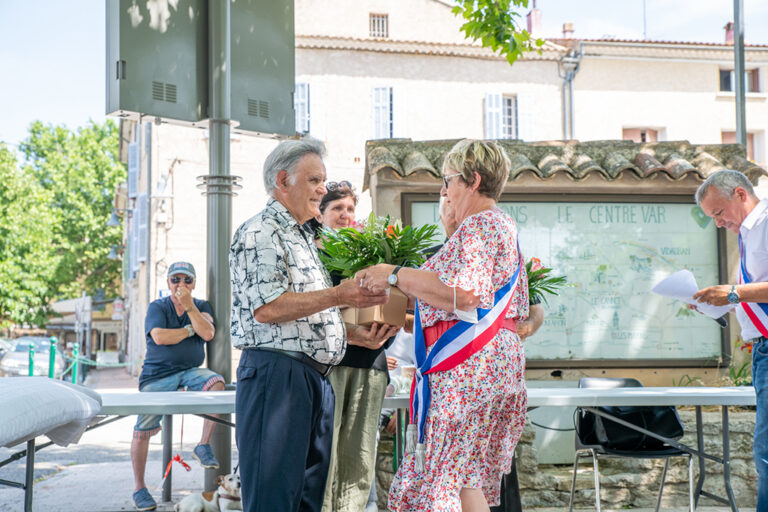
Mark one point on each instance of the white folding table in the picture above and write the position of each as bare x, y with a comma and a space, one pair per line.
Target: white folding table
168, 403
591, 399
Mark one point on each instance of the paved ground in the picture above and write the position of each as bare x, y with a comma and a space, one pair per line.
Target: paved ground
95, 474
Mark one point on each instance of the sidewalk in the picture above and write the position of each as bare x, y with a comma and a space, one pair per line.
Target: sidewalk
95, 474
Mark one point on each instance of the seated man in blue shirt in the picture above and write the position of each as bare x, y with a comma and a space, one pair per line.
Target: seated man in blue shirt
177, 328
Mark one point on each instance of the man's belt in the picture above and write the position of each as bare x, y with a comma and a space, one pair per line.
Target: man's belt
322, 369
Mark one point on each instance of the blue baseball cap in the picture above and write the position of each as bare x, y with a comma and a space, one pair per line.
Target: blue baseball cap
181, 267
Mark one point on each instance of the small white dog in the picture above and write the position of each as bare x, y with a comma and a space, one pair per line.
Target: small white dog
226, 497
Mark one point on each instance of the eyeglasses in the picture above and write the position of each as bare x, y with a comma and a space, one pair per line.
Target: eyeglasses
187, 279
446, 178
333, 185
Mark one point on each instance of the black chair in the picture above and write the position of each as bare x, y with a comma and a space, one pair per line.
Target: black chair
587, 444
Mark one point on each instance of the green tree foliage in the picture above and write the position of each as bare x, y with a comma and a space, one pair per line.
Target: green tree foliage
495, 24
26, 262
77, 173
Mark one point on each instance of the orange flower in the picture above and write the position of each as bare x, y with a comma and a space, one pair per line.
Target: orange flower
536, 264
391, 230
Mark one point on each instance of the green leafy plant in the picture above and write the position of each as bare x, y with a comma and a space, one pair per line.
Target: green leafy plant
495, 23
349, 250
540, 282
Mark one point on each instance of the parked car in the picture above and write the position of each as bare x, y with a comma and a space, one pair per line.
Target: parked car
5, 346
16, 362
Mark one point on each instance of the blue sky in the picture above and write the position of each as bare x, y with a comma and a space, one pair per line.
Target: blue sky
52, 51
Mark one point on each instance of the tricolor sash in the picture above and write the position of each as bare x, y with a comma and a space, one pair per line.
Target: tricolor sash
454, 346
757, 312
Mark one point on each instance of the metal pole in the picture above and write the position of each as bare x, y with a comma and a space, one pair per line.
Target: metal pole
52, 358
75, 349
738, 72
219, 224
167, 456
31, 360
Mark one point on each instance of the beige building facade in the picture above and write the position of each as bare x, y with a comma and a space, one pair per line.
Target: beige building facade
378, 69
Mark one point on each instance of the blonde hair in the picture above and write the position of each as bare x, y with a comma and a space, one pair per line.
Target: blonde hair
483, 157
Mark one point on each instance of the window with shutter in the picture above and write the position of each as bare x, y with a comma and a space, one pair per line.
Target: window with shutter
378, 25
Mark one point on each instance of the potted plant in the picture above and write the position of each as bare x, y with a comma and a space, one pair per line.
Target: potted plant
540, 282
378, 240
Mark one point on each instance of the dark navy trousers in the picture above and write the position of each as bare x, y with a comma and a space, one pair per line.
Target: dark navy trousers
284, 433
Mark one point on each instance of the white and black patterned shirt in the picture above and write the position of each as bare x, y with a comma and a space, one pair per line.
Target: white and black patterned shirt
272, 254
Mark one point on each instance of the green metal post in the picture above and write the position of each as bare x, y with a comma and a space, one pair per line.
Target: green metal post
52, 359
31, 360
75, 351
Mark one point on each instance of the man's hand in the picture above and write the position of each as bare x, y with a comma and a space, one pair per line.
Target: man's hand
391, 363
371, 338
714, 295
351, 294
184, 297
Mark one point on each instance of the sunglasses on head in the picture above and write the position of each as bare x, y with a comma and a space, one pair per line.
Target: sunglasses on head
333, 185
187, 279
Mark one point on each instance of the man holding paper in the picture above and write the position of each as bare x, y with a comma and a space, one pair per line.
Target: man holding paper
727, 197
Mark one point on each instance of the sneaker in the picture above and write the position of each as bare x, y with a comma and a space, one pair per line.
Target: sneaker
204, 455
142, 500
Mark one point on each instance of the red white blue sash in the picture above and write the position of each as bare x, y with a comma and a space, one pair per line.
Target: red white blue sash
756, 311
455, 346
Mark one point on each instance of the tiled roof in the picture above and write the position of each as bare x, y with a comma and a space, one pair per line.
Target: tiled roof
656, 42
550, 51
575, 159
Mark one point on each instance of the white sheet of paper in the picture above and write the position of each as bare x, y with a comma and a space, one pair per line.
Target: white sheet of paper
681, 286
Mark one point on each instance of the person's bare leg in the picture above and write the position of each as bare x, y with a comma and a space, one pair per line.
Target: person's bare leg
473, 500
139, 451
209, 425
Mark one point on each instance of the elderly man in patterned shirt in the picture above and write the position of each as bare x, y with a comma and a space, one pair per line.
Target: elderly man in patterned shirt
285, 317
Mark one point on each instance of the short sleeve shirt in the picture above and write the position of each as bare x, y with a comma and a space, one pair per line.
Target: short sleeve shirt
754, 233
164, 360
482, 255
272, 254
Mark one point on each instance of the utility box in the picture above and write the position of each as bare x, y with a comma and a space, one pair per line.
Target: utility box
157, 59
263, 61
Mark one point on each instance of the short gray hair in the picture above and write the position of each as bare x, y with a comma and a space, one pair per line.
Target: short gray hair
286, 157
725, 182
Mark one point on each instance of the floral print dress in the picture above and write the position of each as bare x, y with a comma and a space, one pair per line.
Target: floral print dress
478, 408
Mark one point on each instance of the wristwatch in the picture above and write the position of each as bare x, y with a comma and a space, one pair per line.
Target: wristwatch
733, 297
190, 330
392, 279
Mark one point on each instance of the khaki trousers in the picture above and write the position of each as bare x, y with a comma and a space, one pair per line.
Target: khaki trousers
359, 395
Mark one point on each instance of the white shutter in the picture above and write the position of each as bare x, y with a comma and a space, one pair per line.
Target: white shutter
301, 105
142, 205
134, 239
493, 116
317, 112
381, 113
525, 113
400, 113
134, 165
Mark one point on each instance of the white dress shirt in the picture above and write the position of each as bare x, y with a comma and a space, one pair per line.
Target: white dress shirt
754, 236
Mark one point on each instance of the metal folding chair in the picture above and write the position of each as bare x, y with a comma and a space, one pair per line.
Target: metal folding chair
589, 448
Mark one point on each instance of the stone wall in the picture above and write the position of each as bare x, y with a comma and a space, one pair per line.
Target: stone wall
624, 483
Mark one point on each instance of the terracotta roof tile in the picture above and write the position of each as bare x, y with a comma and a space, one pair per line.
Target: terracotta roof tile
575, 159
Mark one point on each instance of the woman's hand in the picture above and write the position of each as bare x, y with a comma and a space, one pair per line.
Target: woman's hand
375, 278
373, 337
466, 300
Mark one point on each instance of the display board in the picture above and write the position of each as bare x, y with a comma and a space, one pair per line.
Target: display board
612, 254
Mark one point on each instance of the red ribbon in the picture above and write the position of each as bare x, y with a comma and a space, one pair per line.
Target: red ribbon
178, 459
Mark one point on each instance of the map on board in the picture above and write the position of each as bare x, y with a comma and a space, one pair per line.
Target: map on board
612, 255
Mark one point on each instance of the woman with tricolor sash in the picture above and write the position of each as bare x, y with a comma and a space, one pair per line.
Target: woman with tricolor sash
468, 399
